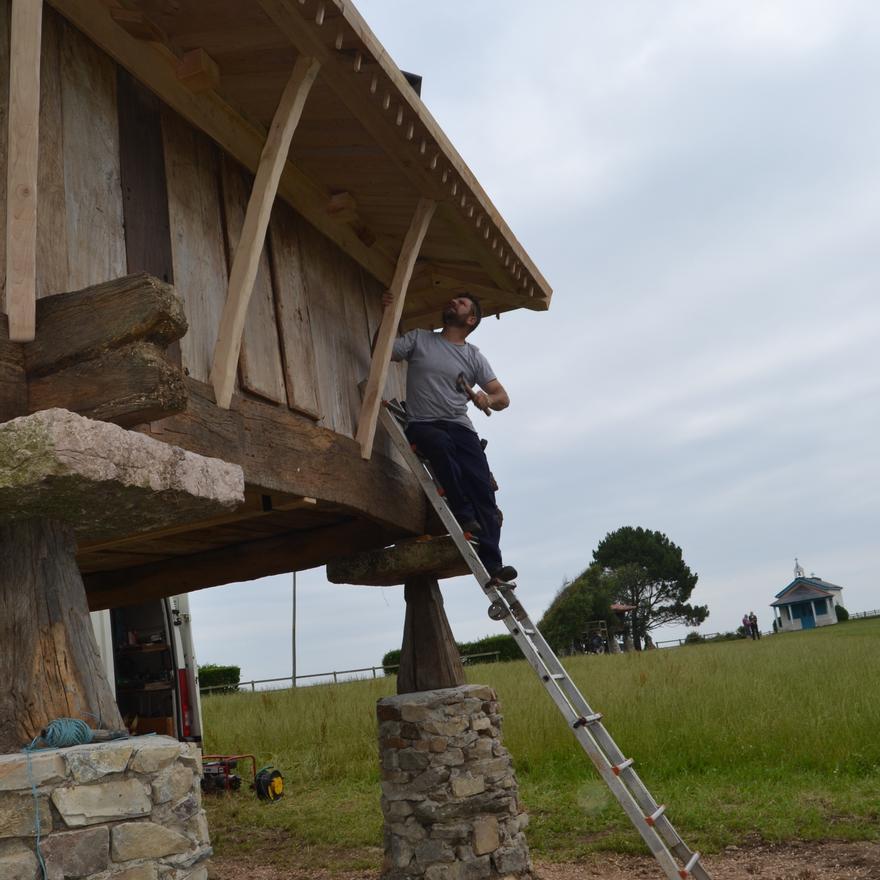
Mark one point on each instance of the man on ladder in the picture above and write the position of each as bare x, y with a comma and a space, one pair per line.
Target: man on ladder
443, 368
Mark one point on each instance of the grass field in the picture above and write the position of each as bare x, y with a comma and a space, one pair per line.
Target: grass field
775, 740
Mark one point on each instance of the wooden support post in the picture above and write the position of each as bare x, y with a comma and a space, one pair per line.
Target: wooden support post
21, 171
253, 233
412, 244
50, 662
429, 657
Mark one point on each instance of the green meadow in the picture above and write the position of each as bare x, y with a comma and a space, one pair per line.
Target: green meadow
772, 740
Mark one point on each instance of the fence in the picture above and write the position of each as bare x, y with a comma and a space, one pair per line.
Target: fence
856, 615
331, 676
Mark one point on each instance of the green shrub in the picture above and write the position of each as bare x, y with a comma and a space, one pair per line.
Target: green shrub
211, 675
503, 645
842, 613
694, 638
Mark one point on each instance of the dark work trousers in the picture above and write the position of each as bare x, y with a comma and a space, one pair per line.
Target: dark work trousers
460, 465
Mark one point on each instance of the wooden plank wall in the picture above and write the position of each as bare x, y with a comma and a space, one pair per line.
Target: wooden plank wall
126, 185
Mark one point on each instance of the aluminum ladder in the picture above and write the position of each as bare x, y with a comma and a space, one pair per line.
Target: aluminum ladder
675, 858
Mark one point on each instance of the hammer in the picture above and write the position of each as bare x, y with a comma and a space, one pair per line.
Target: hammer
466, 389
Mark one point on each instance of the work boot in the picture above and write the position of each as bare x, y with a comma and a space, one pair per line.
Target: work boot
504, 574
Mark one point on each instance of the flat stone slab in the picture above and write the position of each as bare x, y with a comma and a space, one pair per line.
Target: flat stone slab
105, 480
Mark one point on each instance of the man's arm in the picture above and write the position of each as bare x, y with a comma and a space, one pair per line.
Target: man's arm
387, 299
492, 396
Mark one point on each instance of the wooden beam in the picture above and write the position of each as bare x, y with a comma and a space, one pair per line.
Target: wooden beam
155, 66
283, 452
381, 102
82, 324
198, 71
415, 235
293, 551
130, 385
137, 24
390, 566
256, 221
26, 24
13, 382
252, 509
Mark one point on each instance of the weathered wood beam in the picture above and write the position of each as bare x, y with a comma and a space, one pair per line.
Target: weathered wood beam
253, 508
26, 22
155, 65
372, 400
128, 386
13, 380
429, 658
253, 234
283, 452
294, 551
83, 324
391, 566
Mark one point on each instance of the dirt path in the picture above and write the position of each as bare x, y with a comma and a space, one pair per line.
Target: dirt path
805, 861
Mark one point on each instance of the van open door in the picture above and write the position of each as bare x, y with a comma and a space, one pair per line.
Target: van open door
150, 662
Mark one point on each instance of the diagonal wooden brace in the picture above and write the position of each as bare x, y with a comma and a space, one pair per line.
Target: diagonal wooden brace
372, 399
253, 233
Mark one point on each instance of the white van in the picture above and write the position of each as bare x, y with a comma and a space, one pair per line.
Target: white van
151, 665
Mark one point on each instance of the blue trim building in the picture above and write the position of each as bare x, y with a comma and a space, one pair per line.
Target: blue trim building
807, 602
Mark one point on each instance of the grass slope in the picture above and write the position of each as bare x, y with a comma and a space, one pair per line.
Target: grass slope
776, 739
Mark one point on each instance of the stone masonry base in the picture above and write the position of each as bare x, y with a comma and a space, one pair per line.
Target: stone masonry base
449, 794
124, 810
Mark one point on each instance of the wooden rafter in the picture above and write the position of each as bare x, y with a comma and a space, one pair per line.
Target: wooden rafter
21, 178
379, 97
372, 400
256, 221
155, 65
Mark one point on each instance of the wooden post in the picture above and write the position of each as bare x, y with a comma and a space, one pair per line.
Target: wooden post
253, 233
21, 171
412, 244
429, 657
50, 663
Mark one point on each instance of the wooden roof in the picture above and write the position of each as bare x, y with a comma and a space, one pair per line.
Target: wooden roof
366, 148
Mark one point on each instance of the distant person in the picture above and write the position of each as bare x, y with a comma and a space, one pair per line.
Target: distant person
747, 626
753, 623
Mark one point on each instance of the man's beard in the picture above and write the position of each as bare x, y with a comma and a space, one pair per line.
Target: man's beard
451, 318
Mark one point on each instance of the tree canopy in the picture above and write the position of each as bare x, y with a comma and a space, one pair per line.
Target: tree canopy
647, 570
587, 598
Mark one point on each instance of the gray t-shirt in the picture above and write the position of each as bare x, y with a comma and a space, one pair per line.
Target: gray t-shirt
434, 364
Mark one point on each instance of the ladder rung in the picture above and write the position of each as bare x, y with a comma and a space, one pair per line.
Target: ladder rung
617, 769
556, 676
692, 862
655, 815
529, 632
584, 720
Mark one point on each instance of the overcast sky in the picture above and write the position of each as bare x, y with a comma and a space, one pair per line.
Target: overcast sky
699, 182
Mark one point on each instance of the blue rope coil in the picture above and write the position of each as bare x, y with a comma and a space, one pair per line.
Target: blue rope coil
64, 732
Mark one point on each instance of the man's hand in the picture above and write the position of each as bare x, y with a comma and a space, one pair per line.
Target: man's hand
481, 401
387, 299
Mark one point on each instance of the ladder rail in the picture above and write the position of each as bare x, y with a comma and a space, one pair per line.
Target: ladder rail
648, 817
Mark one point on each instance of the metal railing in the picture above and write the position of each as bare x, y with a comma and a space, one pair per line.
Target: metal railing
858, 614
332, 676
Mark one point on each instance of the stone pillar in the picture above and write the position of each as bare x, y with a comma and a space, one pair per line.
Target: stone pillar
124, 810
449, 794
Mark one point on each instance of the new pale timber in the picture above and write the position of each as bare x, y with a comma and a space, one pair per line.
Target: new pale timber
23, 126
247, 254
418, 227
